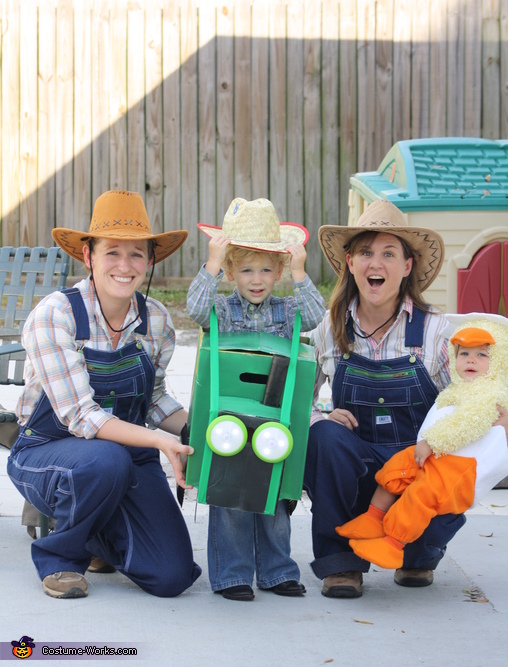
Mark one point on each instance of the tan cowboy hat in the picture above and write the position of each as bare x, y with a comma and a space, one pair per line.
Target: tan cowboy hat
255, 224
383, 216
119, 215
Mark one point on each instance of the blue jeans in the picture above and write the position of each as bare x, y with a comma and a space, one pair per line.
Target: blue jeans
242, 543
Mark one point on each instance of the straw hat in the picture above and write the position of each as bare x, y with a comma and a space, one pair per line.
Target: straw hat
119, 215
255, 224
383, 216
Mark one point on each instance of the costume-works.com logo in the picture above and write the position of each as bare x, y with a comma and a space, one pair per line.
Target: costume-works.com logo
23, 648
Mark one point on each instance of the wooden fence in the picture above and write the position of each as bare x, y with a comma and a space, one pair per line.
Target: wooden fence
195, 102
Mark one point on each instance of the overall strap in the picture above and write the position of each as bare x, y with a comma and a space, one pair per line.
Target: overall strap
278, 309
142, 327
79, 312
414, 328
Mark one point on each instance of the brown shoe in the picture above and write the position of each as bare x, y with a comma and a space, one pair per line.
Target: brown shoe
99, 566
65, 585
413, 578
343, 585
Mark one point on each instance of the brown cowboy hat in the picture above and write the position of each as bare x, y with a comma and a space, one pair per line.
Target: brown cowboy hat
119, 215
255, 225
383, 216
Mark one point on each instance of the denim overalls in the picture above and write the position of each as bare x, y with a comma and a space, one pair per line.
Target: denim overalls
109, 500
390, 399
241, 544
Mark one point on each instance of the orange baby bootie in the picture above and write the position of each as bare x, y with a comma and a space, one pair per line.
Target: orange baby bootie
364, 527
385, 551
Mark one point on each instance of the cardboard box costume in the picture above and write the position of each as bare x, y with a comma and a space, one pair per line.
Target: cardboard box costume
249, 418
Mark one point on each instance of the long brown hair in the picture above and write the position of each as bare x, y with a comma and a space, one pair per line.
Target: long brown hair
346, 289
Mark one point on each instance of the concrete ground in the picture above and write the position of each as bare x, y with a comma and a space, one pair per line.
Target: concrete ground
462, 619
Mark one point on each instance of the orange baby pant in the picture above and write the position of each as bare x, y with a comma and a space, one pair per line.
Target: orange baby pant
445, 485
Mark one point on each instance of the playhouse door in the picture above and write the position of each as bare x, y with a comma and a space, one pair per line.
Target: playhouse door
483, 287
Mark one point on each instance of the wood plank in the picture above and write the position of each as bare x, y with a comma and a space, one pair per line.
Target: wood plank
503, 121
10, 122
260, 18
472, 69
28, 126
136, 97
189, 136
154, 131
384, 79
491, 101
420, 75
348, 105
437, 56
65, 116
312, 134
330, 103
103, 54
207, 123
82, 117
401, 120
225, 126
47, 122
118, 147
294, 111
367, 98
455, 71
242, 100
277, 110
171, 104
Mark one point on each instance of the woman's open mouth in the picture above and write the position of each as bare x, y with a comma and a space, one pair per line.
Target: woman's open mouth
375, 281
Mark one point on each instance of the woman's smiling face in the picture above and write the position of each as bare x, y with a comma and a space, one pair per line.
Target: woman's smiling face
378, 266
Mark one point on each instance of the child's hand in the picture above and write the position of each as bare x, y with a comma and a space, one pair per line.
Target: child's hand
422, 452
297, 262
216, 254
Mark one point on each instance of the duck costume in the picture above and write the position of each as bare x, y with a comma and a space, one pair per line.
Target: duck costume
470, 454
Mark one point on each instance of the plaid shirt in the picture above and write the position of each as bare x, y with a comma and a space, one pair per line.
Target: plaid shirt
56, 367
433, 353
203, 295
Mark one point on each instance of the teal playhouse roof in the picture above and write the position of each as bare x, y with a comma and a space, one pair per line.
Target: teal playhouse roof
441, 174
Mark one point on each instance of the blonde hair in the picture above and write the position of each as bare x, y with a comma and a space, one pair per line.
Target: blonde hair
235, 254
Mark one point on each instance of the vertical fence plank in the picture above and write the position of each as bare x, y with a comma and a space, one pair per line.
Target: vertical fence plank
384, 79
312, 133
10, 122
437, 57
207, 212
171, 119
225, 128
348, 104
64, 114
242, 99
135, 97
330, 104
46, 122
503, 37
294, 111
103, 51
472, 68
118, 179
491, 102
82, 117
277, 109
455, 70
401, 121
367, 98
259, 98
28, 126
420, 70
153, 103
189, 130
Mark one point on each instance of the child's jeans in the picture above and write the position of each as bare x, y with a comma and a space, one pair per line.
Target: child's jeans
242, 543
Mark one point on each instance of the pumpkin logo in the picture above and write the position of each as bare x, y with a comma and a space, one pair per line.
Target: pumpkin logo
23, 648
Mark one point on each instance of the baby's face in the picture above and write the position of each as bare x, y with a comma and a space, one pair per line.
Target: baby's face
472, 362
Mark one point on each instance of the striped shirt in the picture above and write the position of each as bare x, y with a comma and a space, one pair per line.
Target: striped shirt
203, 295
433, 353
55, 366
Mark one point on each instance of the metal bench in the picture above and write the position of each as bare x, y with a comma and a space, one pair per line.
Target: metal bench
26, 276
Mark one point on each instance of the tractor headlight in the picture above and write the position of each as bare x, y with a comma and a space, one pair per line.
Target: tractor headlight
226, 435
272, 442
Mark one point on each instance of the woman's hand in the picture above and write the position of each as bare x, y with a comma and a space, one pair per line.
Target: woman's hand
176, 453
343, 417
